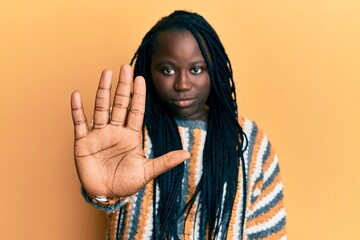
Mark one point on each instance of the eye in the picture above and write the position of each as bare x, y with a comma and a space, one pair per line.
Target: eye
196, 70
168, 71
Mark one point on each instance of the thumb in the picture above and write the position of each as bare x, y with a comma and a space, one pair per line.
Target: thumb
165, 163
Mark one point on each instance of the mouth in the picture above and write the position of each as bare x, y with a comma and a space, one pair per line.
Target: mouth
183, 102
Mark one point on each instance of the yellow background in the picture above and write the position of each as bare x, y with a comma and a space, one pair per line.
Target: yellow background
296, 65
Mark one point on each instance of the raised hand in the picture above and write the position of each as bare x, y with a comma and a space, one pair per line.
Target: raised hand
109, 158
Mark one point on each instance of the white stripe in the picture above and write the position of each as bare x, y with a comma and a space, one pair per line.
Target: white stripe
259, 161
200, 158
256, 192
148, 146
248, 128
283, 238
197, 222
157, 189
185, 138
184, 133
149, 224
268, 199
132, 210
222, 210
238, 213
268, 224
271, 169
198, 174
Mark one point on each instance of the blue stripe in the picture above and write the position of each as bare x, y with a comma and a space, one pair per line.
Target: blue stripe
272, 177
185, 188
120, 224
136, 213
267, 152
202, 227
252, 138
253, 198
267, 207
249, 151
266, 233
261, 175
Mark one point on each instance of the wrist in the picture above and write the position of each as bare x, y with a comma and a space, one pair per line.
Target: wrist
104, 201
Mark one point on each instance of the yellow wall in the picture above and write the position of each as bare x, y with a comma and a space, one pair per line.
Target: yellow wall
296, 64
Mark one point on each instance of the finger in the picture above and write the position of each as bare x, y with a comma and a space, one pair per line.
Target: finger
137, 109
165, 162
102, 100
78, 115
122, 96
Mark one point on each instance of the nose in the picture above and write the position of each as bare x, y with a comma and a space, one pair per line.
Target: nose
182, 82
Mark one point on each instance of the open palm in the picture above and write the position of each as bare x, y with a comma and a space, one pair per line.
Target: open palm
109, 158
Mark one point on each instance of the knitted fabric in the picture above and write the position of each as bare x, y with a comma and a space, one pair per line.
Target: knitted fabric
265, 213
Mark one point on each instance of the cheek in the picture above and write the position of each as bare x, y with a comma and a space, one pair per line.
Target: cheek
206, 90
156, 83
206, 86
161, 88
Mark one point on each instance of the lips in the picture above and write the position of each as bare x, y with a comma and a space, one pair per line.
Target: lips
183, 102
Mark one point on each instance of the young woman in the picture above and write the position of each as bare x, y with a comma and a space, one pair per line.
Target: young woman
135, 164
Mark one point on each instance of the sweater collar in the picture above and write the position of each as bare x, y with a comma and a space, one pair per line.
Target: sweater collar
191, 124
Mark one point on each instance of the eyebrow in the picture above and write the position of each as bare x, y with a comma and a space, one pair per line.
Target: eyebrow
166, 62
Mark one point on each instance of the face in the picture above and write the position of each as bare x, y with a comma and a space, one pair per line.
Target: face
180, 75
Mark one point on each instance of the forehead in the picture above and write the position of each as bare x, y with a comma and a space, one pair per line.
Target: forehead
176, 42
174, 34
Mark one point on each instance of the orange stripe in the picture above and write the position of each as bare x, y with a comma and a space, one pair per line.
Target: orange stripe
180, 129
234, 215
127, 219
255, 152
145, 211
265, 216
265, 192
256, 149
189, 223
277, 235
113, 219
231, 230
146, 204
241, 121
269, 160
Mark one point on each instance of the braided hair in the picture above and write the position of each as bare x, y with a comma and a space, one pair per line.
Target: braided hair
224, 145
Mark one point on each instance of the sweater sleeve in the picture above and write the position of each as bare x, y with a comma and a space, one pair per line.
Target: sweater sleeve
107, 209
266, 217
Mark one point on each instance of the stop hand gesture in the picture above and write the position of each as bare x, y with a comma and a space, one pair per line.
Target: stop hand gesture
109, 157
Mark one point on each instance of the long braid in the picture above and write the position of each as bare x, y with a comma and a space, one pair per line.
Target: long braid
164, 135
222, 157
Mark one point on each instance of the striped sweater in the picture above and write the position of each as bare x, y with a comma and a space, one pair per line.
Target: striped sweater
265, 213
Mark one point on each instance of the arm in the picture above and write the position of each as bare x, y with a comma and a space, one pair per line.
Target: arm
109, 158
266, 217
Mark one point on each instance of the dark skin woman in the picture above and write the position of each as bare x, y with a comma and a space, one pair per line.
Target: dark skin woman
169, 157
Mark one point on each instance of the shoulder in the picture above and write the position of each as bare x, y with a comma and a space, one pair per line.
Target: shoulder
258, 144
250, 128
